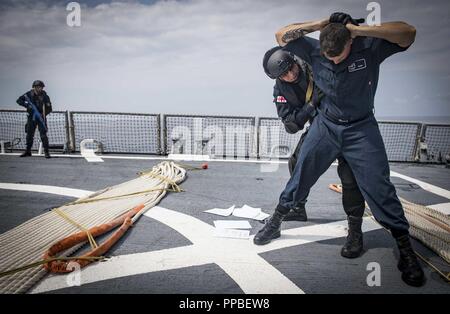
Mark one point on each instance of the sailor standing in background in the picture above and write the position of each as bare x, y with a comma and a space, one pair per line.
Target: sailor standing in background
36, 99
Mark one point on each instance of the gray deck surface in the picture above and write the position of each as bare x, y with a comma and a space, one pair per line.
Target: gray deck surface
316, 267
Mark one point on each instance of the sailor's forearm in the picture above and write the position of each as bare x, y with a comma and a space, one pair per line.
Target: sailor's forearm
399, 33
297, 30
21, 101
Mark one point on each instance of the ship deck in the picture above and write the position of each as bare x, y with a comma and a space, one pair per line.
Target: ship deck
160, 254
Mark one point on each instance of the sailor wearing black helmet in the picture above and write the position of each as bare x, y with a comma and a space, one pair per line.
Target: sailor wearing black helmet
296, 99
38, 106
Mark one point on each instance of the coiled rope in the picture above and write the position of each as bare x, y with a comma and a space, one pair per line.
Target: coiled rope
23, 247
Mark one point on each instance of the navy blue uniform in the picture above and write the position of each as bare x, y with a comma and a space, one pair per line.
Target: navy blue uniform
43, 104
290, 99
345, 126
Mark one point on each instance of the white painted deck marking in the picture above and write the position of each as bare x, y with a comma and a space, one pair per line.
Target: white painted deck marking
251, 160
45, 189
89, 153
91, 157
426, 186
240, 259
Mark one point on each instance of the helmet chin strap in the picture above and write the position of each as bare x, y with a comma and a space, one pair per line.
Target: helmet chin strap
297, 80
299, 76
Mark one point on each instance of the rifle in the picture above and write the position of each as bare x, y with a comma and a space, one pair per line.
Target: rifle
37, 117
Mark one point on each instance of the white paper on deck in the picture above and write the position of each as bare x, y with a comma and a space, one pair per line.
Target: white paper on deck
231, 233
232, 224
261, 216
221, 211
246, 212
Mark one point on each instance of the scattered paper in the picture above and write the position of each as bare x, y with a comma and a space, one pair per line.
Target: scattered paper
242, 212
246, 212
232, 224
232, 233
221, 211
261, 216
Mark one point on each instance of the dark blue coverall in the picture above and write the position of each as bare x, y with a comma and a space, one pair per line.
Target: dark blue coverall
289, 99
345, 126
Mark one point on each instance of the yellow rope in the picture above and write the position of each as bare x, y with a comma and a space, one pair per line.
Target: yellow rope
120, 196
446, 276
172, 183
174, 188
70, 220
73, 222
97, 196
45, 261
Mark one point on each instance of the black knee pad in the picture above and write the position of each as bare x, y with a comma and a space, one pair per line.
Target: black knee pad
345, 174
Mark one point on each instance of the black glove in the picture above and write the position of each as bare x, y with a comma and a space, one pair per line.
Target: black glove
291, 125
344, 18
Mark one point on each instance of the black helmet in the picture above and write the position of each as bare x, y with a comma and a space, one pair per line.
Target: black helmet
276, 62
38, 83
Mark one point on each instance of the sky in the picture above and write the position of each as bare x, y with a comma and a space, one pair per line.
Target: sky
200, 56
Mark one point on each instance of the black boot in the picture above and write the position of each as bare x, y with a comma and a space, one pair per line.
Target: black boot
412, 272
354, 246
297, 213
27, 153
47, 154
271, 230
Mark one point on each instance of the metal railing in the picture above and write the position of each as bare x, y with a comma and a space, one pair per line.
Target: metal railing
273, 140
12, 128
219, 136
401, 140
436, 139
117, 132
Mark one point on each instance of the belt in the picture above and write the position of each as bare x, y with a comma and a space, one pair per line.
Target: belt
329, 116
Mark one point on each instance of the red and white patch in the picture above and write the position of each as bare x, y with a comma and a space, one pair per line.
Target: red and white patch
281, 99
